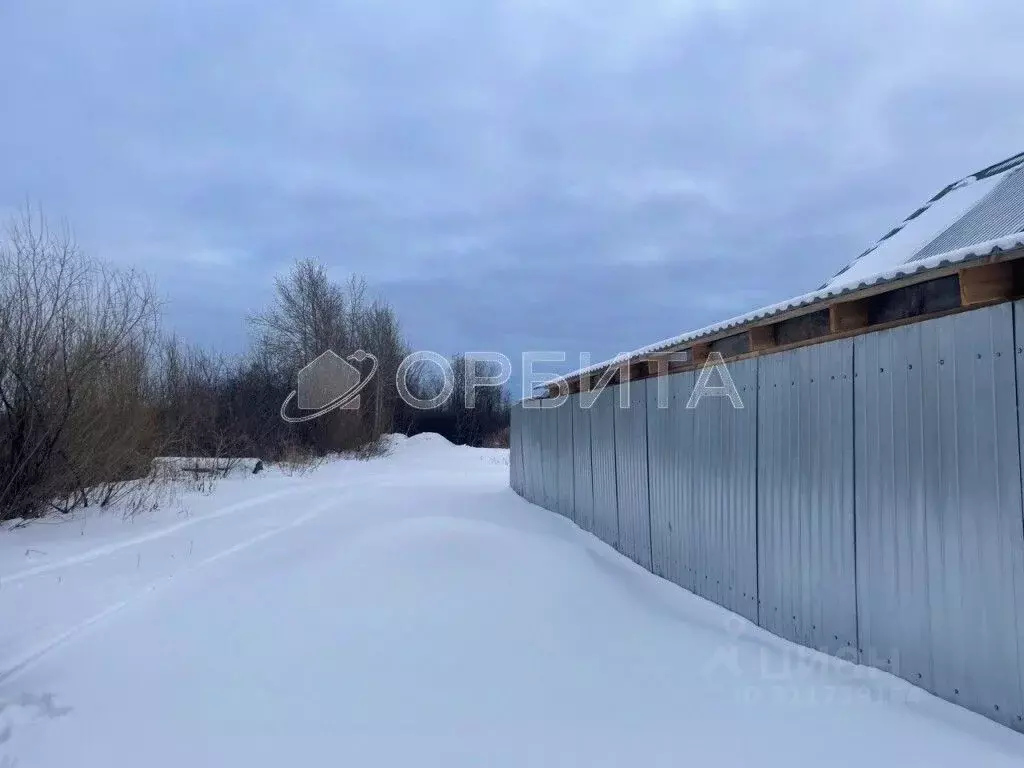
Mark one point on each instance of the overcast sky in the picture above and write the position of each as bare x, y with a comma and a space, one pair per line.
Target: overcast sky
529, 174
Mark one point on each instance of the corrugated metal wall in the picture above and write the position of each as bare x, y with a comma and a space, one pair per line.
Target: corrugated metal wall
515, 449
867, 501
940, 543
602, 449
670, 444
566, 473
703, 480
583, 478
807, 582
523, 426
533, 454
631, 473
549, 457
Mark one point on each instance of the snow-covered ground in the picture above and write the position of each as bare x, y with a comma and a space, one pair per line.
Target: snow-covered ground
412, 611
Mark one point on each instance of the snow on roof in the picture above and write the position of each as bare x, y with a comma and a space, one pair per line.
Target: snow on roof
981, 250
984, 206
972, 218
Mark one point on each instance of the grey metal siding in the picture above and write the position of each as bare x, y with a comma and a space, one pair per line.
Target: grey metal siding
522, 427
631, 472
566, 475
583, 478
723, 485
703, 480
549, 452
940, 543
533, 454
515, 450
602, 440
670, 444
869, 496
807, 584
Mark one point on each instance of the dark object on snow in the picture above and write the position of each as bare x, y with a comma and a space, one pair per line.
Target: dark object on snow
258, 468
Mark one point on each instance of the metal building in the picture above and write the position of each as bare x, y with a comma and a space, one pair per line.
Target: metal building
861, 492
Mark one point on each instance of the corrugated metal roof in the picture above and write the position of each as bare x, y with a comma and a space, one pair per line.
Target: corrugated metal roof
984, 206
971, 218
958, 256
999, 213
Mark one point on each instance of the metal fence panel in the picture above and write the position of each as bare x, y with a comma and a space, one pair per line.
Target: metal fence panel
670, 444
806, 577
526, 444
602, 440
703, 480
583, 478
566, 475
549, 457
533, 460
515, 452
631, 472
723, 484
940, 543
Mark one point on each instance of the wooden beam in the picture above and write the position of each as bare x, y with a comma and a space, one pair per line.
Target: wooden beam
986, 283
657, 366
847, 316
762, 337
699, 353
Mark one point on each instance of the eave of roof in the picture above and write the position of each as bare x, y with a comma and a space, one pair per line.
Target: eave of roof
935, 263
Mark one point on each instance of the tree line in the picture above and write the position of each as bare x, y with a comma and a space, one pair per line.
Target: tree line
92, 388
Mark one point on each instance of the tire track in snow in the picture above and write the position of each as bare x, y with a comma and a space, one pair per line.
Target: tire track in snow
11, 670
114, 547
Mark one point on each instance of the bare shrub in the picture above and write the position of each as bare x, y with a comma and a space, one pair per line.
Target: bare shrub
297, 460
374, 449
74, 335
91, 392
499, 439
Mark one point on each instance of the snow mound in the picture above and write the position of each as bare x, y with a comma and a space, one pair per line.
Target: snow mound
429, 438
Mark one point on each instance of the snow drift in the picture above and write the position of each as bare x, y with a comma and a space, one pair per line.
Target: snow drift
412, 610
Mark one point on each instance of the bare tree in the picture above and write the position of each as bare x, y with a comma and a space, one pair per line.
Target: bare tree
68, 325
90, 392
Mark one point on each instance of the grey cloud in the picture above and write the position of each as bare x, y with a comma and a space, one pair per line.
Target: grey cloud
491, 167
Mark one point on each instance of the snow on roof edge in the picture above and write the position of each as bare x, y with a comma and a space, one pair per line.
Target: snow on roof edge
977, 251
998, 171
